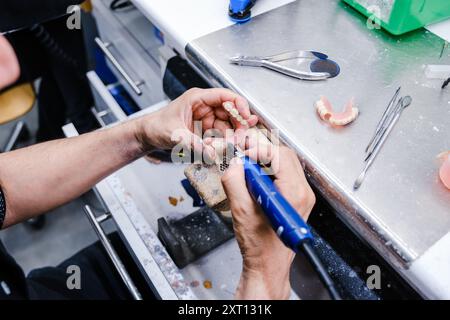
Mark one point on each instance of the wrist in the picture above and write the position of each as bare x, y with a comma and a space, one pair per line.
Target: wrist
128, 141
264, 285
144, 130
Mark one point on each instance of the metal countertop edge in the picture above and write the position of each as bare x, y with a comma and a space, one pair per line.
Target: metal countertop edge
430, 270
351, 211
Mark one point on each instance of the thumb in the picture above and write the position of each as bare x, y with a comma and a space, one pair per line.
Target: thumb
233, 182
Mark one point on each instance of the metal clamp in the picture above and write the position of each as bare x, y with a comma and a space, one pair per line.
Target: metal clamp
96, 221
104, 46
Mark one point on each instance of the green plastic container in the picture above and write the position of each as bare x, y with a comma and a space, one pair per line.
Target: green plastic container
401, 16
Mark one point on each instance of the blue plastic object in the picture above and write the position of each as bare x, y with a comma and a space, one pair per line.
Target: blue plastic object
285, 220
239, 10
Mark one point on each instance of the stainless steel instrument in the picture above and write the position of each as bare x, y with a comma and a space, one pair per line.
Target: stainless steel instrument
402, 104
270, 62
383, 120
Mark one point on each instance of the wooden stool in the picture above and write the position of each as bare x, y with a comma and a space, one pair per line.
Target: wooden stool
15, 103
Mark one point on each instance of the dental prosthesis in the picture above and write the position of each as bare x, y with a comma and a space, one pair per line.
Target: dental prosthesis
327, 114
444, 172
229, 106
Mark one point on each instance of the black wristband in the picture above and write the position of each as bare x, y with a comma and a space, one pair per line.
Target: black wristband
2, 208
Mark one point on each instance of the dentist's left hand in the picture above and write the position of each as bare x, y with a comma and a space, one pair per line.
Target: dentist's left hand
174, 124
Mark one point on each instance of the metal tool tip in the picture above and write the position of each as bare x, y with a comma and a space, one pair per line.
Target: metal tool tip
239, 153
236, 59
359, 181
406, 102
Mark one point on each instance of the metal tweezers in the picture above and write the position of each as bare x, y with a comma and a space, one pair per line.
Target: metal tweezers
270, 62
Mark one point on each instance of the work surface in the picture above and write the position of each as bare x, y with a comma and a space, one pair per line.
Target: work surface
182, 21
402, 208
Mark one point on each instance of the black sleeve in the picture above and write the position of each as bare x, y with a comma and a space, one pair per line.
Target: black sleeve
15, 14
2, 208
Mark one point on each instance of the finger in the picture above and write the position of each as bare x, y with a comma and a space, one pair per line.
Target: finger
216, 96
209, 154
262, 155
291, 181
152, 159
222, 125
208, 122
242, 106
287, 163
193, 142
221, 114
202, 112
252, 120
233, 182
256, 145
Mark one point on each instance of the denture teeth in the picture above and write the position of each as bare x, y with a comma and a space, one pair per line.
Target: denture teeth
228, 106
234, 112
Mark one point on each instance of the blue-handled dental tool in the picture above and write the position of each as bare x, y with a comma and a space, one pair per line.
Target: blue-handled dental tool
284, 219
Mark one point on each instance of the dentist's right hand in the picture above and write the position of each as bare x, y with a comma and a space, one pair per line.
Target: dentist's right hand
266, 260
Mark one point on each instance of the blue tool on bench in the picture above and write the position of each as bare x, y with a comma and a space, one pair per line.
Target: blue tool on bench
240, 10
285, 220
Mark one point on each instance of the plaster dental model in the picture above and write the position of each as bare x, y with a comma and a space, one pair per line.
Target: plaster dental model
444, 172
326, 113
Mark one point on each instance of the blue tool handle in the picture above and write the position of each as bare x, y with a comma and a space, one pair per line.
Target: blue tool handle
285, 220
237, 6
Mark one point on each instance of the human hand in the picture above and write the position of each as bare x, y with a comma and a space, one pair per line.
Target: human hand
9, 66
266, 260
175, 124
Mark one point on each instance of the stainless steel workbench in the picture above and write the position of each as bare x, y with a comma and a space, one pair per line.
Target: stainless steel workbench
402, 209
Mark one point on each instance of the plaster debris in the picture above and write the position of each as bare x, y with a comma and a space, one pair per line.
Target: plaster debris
173, 201
207, 284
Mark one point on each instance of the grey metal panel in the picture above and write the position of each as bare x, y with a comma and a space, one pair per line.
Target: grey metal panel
401, 209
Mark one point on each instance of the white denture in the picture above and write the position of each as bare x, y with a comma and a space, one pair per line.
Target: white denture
326, 113
229, 106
